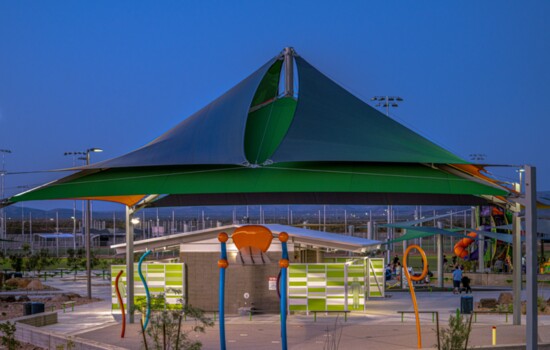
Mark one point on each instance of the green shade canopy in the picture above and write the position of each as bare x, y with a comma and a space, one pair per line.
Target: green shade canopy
256, 144
278, 178
422, 232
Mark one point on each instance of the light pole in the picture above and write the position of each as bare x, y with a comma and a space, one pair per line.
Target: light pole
478, 157
88, 242
2, 174
387, 102
74, 154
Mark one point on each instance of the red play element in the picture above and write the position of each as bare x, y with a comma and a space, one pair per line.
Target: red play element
121, 303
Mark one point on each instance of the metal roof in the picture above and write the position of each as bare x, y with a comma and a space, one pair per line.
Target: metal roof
297, 235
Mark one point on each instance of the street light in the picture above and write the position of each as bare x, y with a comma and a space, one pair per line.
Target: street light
74, 155
88, 243
387, 102
478, 157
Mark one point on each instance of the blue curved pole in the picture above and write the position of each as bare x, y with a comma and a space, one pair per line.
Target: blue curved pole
148, 296
283, 304
221, 309
221, 301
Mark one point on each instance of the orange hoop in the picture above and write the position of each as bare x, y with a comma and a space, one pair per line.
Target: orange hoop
411, 286
424, 261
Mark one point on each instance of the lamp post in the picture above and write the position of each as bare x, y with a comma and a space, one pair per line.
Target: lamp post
88, 241
74, 154
387, 102
2, 174
478, 157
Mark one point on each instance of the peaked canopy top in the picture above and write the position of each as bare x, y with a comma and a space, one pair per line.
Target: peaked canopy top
254, 123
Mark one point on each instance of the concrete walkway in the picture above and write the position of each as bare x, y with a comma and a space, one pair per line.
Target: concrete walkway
379, 327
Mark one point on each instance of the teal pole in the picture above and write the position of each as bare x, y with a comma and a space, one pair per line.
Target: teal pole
147, 294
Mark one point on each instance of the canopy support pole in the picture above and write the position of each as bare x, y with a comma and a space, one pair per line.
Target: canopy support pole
129, 264
439, 239
531, 252
289, 71
516, 252
481, 253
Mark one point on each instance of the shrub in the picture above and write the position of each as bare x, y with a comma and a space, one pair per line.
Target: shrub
8, 336
456, 335
165, 329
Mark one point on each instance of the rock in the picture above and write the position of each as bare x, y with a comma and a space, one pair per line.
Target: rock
7, 298
72, 296
35, 285
61, 298
18, 282
488, 303
22, 298
505, 298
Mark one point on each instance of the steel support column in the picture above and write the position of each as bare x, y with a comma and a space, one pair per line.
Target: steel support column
129, 265
531, 252
516, 253
439, 239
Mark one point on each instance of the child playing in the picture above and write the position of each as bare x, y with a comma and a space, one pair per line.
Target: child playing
466, 284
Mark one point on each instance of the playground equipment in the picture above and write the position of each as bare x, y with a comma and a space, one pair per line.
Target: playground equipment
410, 280
253, 238
461, 247
147, 294
121, 303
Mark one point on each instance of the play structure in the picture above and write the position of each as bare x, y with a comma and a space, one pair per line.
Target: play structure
155, 279
121, 303
461, 247
494, 234
249, 239
410, 279
147, 294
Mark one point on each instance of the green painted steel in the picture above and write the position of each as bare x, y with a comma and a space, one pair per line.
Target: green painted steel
295, 177
269, 86
166, 279
266, 127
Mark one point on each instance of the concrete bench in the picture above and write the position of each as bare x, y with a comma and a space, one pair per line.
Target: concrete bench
345, 312
434, 314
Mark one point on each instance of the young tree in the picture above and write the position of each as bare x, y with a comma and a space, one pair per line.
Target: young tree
76, 260
165, 329
457, 334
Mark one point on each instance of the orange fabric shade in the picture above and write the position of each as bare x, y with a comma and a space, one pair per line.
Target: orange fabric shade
252, 236
126, 200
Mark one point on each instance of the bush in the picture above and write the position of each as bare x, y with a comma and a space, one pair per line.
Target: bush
456, 335
165, 330
8, 336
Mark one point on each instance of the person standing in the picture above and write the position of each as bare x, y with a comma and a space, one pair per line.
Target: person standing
395, 260
466, 284
457, 278
398, 271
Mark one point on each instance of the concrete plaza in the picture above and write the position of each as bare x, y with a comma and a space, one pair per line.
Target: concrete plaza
379, 327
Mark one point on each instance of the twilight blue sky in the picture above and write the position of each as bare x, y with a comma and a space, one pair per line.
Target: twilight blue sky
115, 74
